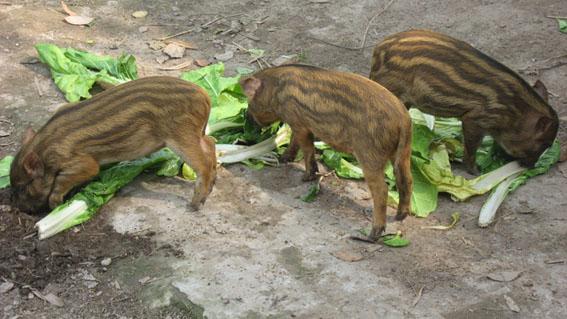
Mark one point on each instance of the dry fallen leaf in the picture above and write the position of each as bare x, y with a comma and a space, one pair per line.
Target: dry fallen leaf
202, 62
67, 10
504, 276
177, 67
511, 304
140, 14
78, 20
174, 51
182, 43
348, 256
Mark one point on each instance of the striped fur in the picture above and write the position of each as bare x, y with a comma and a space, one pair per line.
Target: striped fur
348, 112
123, 123
447, 77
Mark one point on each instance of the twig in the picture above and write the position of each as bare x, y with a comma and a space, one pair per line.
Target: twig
66, 9
551, 262
175, 35
6, 3
221, 18
418, 297
36, 82
370, 22
164, 25
555, 17
30, 235
362, 45
7, 144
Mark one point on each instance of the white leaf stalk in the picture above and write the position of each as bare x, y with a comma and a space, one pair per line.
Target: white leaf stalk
262, 150
55, 223
220, 126
488, 181
488, 210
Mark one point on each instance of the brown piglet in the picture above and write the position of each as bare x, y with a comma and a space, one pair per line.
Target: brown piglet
447, 77
347, 111
122, 123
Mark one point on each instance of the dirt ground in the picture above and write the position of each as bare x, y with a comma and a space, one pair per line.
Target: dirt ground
255, 250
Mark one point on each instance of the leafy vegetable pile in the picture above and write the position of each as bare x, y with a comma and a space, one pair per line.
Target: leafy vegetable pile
435, 143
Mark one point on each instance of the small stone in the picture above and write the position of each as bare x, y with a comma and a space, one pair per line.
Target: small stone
162, 58
227, 55
143, 29
174, 51
140, 14
156, 45
6, 286
106, 261
91, 284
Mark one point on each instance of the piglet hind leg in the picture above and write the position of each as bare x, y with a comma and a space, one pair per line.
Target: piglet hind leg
473, 138
304, 138
78, 170
199, 153
404, 179
374, 175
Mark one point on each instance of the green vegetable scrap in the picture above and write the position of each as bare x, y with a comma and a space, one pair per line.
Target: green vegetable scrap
75, 72
435, 141
562, 25
395, 240
5, 171
85, 203
226, 95
311, 193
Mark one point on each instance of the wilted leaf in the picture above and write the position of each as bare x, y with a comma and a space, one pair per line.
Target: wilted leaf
140, 14
454, 220
349, 256
504, 276
78, 20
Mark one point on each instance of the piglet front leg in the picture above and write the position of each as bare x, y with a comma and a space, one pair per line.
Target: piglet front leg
79, 169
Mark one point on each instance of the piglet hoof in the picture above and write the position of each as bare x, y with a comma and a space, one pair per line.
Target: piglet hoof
372, 237
55, 201
307, 177
473, 169
401, 216
195, 206
287, 158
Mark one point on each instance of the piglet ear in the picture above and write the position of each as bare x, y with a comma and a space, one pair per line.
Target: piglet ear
543, 124
540, 88
28, 135
33, 165
251, 86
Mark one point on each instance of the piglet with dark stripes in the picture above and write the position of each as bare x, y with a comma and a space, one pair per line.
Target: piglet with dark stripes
123, 123
348, 112
447, 77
